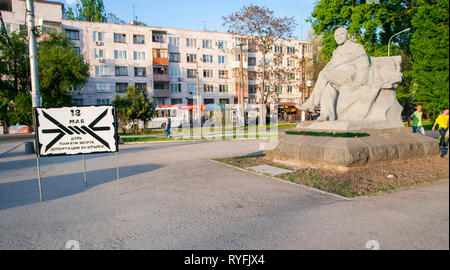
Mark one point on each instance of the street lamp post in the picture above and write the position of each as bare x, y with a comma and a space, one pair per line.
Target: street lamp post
389, 43
309, 84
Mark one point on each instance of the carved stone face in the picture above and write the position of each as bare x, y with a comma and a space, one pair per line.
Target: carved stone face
341, 36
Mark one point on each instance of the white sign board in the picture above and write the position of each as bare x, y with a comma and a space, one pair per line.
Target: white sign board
76, 130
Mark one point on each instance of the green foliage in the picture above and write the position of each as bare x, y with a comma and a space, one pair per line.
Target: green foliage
134, 107
430, 56
369, 24
60, 68
20, 110
87, 10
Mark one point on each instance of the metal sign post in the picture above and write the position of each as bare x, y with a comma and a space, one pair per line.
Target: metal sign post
84, 166
39, 178
117, 170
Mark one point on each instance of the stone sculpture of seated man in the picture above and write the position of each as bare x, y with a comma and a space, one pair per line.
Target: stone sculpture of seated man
349, 85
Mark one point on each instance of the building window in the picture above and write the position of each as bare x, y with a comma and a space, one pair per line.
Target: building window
175, 87
223, 88
223, 74
224, 101
158, 85
175, 101
252, 61
138, 39
191, 58
121, 87
77, 101
252, 75
77, 50
101, 70
290, 49
207, 58
160, 53
140, 72
207, 73
102, 87
158, 37
174, 41
140, 86
174, 57
73, 34
207, 44
102, 101
289, 89
100, 53
252, 89
291, 76
191, 42
121, 71
139, 55
99, 36
120, 54
192, 73
208, 88
280, 89
6, 5
278, 49
160, 70
120, 38
192, 87
175, 72
222, 59
208, 101
267, 89
221, 44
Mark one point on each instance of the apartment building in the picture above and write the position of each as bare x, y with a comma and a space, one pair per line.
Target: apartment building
165, 61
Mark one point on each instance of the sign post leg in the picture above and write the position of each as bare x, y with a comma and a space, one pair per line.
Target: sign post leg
84, 166
117, 170
39, 178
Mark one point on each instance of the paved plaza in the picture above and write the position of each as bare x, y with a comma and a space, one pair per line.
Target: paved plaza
172, 196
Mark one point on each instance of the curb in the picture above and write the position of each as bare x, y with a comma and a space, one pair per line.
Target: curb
287, 182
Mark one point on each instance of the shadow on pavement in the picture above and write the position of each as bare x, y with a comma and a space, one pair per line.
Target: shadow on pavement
24, 192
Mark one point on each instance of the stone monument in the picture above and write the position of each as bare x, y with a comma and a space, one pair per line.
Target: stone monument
355, 93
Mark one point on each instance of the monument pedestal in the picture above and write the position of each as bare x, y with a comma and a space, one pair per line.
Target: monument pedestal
383, 145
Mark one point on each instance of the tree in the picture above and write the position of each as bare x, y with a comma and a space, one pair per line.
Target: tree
122, 104
368, 24
259, 28
112, 18
87, 10
430, 56
134, 107
60, 68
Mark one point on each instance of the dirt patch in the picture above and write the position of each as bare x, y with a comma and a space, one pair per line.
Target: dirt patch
359, 181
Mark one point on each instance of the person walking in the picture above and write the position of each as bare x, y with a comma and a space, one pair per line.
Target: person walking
416, 117
168, 125
442, 122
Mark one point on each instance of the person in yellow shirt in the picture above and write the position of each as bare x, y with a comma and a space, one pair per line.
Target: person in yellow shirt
442, 122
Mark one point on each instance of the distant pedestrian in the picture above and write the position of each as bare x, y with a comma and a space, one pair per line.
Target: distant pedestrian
168, 125
416, 117
442, 122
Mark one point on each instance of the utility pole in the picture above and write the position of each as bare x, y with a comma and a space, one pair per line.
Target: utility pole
198, 92
303, 73
35, 95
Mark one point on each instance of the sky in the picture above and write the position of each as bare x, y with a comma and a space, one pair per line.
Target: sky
203, 14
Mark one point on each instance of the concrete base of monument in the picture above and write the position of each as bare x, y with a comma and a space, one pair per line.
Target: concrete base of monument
299, 151
372, 127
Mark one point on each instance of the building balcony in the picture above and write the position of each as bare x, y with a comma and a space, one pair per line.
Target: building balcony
160, 61
161, 93
161, 77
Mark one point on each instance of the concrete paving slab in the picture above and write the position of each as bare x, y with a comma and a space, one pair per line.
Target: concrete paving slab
268, 169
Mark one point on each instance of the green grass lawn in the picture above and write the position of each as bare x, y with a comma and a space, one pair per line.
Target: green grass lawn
427, 124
